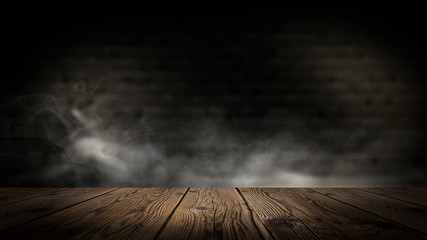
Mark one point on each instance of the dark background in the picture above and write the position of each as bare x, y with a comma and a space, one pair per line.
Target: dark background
249, 96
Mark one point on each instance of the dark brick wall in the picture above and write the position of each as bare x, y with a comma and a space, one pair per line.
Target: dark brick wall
215, 97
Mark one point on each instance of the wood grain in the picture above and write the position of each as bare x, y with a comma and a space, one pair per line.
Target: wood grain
412, 195
233, 218
331, 219
408, 214
128, 213
193, 218
213, 213
280, 222
27, 210
12, 195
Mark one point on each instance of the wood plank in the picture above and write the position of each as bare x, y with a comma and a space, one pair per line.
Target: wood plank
128, 213
211, 213
408, 214
27, 210
330, 219
413, 195
193, 218
279, 221
233, 218
12, 195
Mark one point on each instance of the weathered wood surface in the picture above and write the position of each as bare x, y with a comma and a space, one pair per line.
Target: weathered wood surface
127, 213
13, 195
213, 213
412, 195
30, 209
407, 214
326, 218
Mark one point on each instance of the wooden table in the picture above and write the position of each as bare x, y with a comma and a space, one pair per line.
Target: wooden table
213, 213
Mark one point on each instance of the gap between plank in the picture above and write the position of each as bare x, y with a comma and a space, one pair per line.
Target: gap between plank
262, 230
309, 229
397, 223
170, 215
361, 189
35, 219
291, 214
31, 198
214, 219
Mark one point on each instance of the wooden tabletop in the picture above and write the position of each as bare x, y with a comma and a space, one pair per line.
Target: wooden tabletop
213, 213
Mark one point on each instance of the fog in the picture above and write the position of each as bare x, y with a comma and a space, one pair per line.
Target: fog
273, 99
